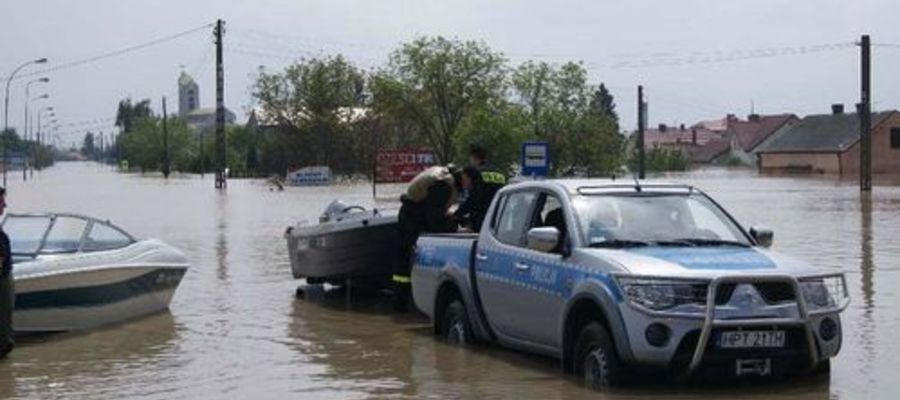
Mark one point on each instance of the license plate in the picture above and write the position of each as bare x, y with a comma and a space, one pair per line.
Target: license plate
751, 339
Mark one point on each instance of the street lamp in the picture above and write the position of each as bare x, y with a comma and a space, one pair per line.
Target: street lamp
39, 126
6, 113
25, 125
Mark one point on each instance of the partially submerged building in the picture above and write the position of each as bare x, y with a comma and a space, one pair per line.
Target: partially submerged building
829, 143
747, 137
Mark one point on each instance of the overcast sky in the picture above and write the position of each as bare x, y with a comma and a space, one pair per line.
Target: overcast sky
679, 50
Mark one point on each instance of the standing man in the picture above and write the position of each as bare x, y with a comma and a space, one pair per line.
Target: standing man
7, 289
484, 182
424, 209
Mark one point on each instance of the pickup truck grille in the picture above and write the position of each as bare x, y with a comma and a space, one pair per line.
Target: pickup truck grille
771, 292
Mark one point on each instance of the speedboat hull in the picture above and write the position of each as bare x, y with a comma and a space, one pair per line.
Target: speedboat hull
359, 245
87, 290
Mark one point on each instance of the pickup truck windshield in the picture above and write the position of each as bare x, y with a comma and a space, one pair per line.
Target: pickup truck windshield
652, 219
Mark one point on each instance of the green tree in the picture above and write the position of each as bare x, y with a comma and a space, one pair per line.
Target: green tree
602, 103
145, 144
127, 113
500, 128
87, 147
434, 83
557, 105
316, 101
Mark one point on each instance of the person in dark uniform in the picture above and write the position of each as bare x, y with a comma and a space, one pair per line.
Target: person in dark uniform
484, 182
7, 289
424, 209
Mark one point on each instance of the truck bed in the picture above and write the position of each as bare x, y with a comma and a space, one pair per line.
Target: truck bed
440, 257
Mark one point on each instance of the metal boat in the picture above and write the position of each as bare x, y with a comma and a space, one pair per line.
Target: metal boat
348, 243
74, 272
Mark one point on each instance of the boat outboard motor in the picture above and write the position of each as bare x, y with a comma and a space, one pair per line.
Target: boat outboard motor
337, 210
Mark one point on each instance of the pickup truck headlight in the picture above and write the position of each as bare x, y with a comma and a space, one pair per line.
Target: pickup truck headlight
663, 294
823, 293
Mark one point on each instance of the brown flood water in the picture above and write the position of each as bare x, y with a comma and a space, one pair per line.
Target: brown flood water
236, 330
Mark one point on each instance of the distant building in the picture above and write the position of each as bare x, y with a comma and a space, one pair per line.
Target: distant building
746, 137
188, 94
829, 143
699, 144
200, 119
204, 119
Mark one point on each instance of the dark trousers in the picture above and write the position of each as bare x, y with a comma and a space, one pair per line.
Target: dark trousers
409, 228
7, 305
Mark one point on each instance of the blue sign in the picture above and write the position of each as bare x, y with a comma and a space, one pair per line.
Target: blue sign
535, 159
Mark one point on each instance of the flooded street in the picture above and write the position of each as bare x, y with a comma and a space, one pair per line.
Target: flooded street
236, 330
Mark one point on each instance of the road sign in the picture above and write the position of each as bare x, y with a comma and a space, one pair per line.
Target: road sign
398, 166
535, 159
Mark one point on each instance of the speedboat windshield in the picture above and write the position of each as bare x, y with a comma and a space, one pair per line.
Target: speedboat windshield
33, 235
655, 219
26, 233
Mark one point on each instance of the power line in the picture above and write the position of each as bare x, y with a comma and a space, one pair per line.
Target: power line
114, 53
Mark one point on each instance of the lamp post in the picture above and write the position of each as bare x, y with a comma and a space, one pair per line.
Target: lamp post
40, 127
28, 100
6, 113
25, 125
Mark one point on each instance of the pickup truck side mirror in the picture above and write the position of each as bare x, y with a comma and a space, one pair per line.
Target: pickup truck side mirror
543, 239
763, 236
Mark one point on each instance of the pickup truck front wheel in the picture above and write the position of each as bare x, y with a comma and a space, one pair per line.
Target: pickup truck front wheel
455, 327
596, 362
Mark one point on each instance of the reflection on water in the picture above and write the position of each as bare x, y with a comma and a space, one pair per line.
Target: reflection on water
236, 329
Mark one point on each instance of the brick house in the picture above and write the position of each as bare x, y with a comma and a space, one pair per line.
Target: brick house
829, 143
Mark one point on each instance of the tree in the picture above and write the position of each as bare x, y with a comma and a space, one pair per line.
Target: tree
435, 83
602, 103
316, 101
88, 148
557, 105
144, 144
500, 128
128, 113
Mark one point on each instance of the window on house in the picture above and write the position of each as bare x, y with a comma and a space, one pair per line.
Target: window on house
895, 138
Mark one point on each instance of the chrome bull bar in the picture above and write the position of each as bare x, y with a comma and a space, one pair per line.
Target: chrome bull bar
711, 322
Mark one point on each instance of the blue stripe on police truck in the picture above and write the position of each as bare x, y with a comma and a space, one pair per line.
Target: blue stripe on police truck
551, 276
717, 258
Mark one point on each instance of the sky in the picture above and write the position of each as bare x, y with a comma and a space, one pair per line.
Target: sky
697, 59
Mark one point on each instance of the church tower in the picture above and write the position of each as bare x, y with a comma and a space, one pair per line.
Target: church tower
188, 94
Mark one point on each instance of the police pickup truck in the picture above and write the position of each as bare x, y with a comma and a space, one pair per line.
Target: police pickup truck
610, 277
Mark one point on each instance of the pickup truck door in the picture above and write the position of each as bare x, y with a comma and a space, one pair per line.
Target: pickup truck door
539, 305
518, 285
494, 263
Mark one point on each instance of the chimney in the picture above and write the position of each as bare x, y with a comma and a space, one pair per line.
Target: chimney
662, 127
682, 127
753, 118
694, 137
837, 109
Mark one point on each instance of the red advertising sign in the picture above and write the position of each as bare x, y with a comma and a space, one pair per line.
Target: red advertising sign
397, 166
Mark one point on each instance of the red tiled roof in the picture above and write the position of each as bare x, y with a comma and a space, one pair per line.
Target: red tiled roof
751, 133
708, 152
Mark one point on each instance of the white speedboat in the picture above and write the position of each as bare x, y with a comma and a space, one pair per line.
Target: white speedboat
74, 272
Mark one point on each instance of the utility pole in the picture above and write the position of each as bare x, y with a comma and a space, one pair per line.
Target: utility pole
220, 109
864, 110
165, 163
642, 122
